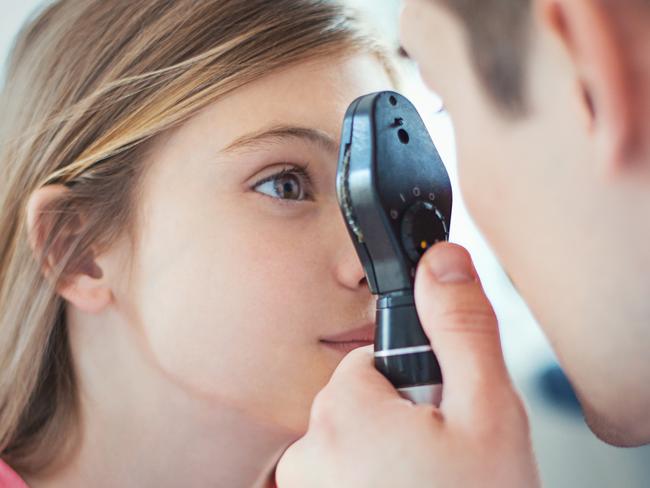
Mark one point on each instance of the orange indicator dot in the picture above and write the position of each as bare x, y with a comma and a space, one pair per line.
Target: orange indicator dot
423, 244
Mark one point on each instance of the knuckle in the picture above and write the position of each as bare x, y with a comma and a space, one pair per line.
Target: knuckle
323, 416
359, 354
319, 407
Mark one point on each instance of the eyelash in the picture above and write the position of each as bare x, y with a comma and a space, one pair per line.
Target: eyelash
300, 171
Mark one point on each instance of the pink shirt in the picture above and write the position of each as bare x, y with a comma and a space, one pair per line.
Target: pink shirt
9, 478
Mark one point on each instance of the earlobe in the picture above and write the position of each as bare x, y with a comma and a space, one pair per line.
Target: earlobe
53, 241
593, 41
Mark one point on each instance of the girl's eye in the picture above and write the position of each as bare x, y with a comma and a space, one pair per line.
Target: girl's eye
293, 184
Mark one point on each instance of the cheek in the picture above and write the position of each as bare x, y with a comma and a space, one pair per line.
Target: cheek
476, 181
223, 298
489, 189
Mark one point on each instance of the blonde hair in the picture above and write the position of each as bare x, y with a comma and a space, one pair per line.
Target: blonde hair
89, 85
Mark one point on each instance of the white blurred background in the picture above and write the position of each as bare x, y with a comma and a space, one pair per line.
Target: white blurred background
568, 454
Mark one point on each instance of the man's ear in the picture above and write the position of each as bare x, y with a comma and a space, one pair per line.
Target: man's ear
593, 39
82, 284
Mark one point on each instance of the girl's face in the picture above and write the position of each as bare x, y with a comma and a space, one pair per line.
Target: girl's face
242, 273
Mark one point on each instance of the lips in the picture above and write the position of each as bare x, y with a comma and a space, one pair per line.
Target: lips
351, 339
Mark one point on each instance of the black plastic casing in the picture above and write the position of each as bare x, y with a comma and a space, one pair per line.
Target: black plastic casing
388, 164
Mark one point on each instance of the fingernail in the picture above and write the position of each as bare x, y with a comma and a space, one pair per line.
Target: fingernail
451, 265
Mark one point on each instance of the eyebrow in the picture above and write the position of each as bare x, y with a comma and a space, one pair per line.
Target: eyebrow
279, 133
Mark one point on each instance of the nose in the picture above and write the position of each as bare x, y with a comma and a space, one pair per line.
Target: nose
348, 267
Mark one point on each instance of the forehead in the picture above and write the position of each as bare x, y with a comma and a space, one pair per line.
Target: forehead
314, 93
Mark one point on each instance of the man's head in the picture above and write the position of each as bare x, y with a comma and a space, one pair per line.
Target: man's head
551, 105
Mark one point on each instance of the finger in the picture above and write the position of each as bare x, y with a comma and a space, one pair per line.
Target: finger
460, 322
290, 469
356, 384
346, 405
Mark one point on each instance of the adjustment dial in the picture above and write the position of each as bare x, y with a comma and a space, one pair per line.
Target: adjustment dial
422, 226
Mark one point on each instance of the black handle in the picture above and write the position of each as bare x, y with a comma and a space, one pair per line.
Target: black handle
402, 350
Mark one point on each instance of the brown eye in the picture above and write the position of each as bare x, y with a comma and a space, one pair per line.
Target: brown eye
289, 184
288, 187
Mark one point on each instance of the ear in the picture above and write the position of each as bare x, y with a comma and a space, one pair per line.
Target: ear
83, 285
595, 44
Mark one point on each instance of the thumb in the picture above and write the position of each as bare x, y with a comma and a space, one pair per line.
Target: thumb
461, 325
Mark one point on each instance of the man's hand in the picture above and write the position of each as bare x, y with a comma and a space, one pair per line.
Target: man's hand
363, 434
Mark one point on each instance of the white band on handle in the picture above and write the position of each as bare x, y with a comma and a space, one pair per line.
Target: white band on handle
423, 394
402, 350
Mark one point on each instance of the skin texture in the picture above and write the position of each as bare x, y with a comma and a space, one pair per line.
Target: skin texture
198, 364
572, 177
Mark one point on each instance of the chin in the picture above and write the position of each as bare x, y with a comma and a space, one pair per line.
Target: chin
619, 432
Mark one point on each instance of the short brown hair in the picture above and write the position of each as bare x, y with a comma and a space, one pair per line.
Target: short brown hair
497, 35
